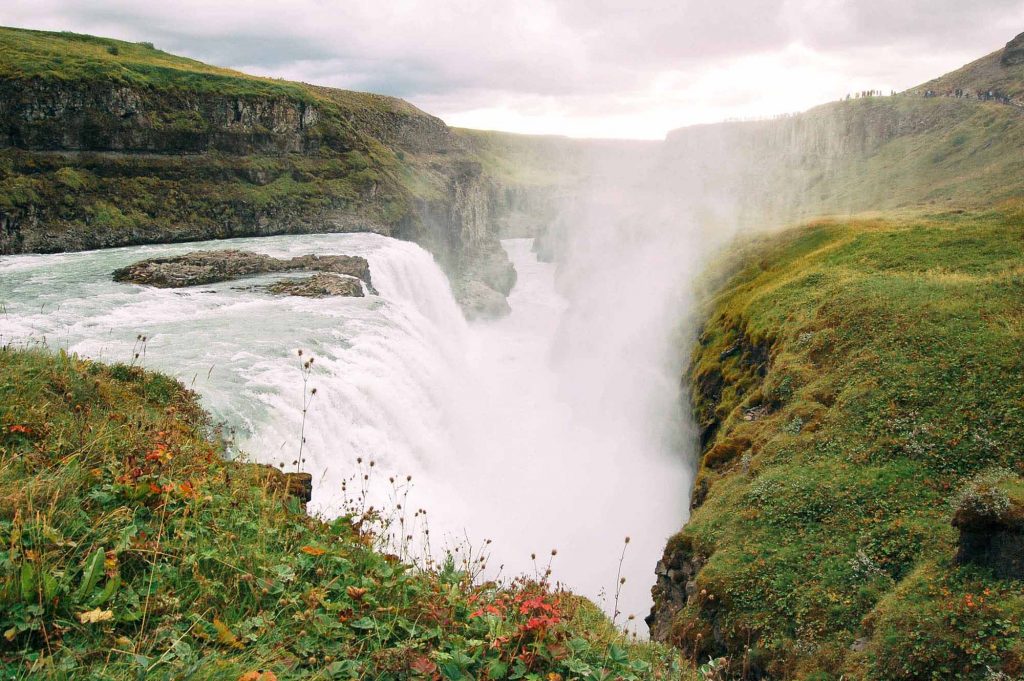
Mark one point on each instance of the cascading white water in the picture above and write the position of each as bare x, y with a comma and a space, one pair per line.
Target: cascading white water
512, 430
384, 364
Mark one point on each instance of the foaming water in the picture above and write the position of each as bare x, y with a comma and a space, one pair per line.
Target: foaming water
568, 456
384, 364
519, 430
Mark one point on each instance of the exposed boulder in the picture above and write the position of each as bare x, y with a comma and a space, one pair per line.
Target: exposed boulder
480, 301
290, 485
318, 286
1013, 53
990, 517
349, 265
208, 267
196, 269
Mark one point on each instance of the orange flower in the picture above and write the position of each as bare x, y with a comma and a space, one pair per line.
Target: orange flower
258, 675
486, 610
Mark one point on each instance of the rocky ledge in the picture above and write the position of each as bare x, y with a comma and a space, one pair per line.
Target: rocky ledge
480, 301
318, 286
208, 267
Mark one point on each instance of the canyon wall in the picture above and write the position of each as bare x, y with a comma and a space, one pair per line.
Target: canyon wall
105, 143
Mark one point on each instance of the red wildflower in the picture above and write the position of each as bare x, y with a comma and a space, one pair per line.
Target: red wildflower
486, 610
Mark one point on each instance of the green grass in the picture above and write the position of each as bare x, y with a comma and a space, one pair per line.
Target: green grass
130, 549
895, 376
67, 56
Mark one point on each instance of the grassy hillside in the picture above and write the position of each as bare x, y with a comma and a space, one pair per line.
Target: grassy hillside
992, 73
231, 154
130, 549
857, 383
965, 155
873, 153
67, 56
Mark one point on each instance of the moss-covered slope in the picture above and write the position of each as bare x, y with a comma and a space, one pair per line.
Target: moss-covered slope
130, 549
851, 381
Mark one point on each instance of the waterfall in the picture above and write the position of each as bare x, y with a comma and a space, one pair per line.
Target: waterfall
502, 437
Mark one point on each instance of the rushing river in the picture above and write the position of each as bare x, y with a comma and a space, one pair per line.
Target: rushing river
504, 436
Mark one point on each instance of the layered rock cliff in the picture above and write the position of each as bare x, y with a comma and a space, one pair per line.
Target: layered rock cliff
105, 143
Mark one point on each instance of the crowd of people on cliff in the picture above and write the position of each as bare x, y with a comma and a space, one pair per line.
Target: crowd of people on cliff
985, 95
957, 93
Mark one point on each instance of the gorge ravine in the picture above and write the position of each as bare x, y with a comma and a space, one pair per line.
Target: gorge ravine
491, 419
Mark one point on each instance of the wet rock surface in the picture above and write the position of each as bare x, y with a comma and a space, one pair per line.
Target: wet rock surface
676, 574
318, 286
208, 267
480, 301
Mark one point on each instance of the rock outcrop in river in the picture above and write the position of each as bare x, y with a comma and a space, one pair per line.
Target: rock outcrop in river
209, 267
318, 286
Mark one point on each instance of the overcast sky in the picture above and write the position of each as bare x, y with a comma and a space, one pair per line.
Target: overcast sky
585, 68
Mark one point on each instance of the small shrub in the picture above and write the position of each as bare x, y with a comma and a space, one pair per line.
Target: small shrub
71, 178
982, 496
794, 427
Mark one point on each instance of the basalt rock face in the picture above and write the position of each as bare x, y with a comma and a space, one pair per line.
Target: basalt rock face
208, 267
464, 230
104, 116
673, 588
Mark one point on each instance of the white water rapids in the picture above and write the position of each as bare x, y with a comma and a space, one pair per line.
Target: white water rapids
533, 431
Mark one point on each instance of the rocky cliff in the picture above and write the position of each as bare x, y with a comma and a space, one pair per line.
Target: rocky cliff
105, 143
